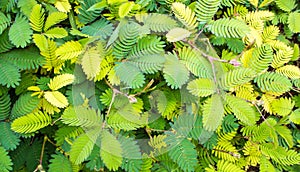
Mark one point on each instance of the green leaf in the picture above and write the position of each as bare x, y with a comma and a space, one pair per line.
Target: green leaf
4, 22
8, 139
132, 158
160, 22
83, 145
24, 105
56, 32
24, 59
182, 152
81, 116
31, 122
60, 163
286, 5
91, 61
175, 72
69, 50
295, 116
111, 151
5, 161
202, 87
125, 8
241, 109
4, 106
229, 28
213, 112
37, 18
54, 18
293, 21
20, 32
56, 98
237, 77
130, 75
9, 74
177, 34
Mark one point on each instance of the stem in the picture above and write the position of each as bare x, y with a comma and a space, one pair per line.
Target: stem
40, 166
199, 33
56, 121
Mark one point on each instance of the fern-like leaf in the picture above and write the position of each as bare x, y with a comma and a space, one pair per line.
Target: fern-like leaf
54, 18
195, 63
175, 73
213, 112
63, 5
111, 151
149, 45
100, 28
56, 32
185, 15
24, 105
273, 82
293, 19
24, 59
87, 13
59, 163
201, 87
282, 106
56, 98
83, 145
135, 79
4, 106
37, 18
224, 166
206, 9
127, 38
287, 6
69, 50
5, 163
91, 61
9, 74
160, 22
81, 116
241, 109
60, 81
4, 22
182, 152
290, 71
8, 139
229, 28
31, 122
132, 158
237, 77
20, 32
258, 59
5, 44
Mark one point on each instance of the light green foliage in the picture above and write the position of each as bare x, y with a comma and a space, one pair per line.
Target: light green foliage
31, 122
20, 32
176, 85
5, 163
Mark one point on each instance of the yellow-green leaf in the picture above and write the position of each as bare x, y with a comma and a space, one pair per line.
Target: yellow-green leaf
111, 151
60, 81
63, 5
56, 98
56, 32
125, 9
69, 50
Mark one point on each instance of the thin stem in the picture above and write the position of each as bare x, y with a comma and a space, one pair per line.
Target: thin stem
56, 121
40, 166
199, 33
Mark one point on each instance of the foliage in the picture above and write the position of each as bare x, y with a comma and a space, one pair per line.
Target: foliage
118, 85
